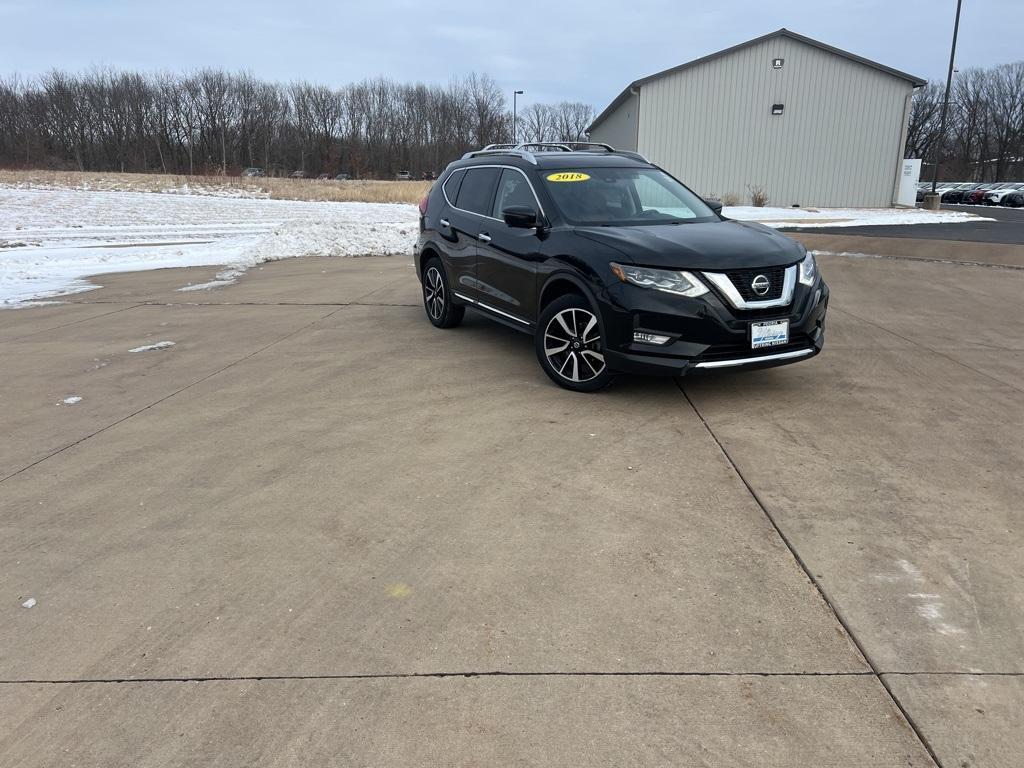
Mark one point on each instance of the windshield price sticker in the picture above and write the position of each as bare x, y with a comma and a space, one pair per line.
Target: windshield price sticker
568, 176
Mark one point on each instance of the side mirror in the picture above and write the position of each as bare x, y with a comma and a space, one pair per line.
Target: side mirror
520, 216
715, 205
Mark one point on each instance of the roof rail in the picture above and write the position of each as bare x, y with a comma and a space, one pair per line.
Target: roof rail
490, 150
546, 146
527, 151
600, 145
585, 144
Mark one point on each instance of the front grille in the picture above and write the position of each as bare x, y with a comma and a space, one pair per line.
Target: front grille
742, 278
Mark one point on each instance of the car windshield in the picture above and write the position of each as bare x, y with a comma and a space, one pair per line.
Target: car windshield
623, 197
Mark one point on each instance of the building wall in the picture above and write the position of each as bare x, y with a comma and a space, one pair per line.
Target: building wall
838, 142
620, 127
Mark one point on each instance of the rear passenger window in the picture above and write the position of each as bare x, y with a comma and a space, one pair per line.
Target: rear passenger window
477, 190
452, 184
513, 189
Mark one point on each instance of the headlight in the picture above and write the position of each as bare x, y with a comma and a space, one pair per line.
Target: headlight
679, 283
808, 270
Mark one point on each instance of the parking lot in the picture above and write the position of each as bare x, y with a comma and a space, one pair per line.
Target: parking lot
318, 531
1006, 227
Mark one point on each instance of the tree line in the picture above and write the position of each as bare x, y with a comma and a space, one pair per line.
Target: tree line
217, 122
984, 137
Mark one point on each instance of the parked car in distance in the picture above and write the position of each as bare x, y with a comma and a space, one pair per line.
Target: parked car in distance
324, 177
297, 175
956, 194
977, 195
612, 265
254, 172
995, 196
1014, 199
403, 176
342, 177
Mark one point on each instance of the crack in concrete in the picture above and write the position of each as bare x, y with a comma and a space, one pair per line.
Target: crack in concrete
925, 347
413, 675
73, 322
353, 303
925, 259
875, 671
168, 397
493, 673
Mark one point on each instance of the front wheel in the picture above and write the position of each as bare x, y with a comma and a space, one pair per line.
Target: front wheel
570, 347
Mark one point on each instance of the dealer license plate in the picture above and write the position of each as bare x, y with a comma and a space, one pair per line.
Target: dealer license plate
769, 333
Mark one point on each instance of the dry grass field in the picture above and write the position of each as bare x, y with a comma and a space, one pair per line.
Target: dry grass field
273, 188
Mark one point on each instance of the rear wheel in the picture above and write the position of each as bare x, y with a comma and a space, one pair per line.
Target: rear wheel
570, 347
437, 297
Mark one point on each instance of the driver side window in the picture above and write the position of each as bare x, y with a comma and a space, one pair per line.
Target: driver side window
513, 189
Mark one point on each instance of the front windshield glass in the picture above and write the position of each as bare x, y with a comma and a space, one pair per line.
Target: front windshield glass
623, 197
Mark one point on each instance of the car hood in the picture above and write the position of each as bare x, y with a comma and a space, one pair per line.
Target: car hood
711, 246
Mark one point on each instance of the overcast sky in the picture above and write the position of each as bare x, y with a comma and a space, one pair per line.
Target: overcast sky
553, 50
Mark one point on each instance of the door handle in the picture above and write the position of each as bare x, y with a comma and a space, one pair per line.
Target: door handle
483, 237
445, 223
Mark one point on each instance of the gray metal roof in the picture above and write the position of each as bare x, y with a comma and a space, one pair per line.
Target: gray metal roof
917, 81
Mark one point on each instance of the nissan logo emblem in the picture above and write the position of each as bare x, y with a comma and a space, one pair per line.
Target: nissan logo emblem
760, 285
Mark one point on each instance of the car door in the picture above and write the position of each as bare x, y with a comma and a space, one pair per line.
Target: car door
466, 218
508, 257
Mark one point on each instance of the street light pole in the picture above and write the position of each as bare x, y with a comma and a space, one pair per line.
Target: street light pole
945, 103
515, 123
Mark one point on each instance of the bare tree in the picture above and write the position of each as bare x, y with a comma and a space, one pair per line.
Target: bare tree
985, 132
104, 119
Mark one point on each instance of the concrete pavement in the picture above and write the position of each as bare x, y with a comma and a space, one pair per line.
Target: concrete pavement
319, 531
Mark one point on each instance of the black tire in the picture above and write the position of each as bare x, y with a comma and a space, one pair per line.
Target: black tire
438, 302
570, 345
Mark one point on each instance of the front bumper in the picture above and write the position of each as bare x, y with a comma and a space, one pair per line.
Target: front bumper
706, 333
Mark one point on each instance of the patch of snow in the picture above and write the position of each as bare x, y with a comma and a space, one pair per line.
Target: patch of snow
54, 239
153, 347
931, 607
911, 570
207, 286
845, 217
30, 603
71, 400
59, 237
225, 189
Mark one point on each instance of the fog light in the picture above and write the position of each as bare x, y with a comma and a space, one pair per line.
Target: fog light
650, 338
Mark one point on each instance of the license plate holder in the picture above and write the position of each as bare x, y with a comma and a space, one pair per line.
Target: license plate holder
769, 333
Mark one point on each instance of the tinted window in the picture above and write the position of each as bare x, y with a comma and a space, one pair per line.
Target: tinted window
513, 189
477, 190
452, 184
624, 196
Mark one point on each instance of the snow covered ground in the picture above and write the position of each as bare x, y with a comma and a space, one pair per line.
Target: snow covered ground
846, 217
51, 239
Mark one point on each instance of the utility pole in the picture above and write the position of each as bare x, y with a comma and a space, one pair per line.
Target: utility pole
515, 123
932, 201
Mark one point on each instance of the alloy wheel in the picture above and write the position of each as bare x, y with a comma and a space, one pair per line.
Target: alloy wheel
572, 345
433, 293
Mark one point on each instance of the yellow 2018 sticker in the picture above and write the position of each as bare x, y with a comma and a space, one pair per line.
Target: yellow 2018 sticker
568, 176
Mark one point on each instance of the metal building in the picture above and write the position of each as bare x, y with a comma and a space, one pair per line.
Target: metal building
807, 123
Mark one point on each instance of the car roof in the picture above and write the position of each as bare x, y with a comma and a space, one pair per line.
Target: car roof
542, 160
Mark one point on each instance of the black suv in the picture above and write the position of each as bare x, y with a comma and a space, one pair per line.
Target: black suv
613, 265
